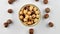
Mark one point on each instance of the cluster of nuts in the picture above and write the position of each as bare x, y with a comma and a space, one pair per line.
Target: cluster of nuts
29, 14
6, 24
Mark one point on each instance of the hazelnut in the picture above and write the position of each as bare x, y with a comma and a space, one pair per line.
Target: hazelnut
47, 10
45, 1
30, 17
31, 7
36, 12
10, 10
21, 17
36, 0
9, 21
10, 1
50, 24
29, 23
46, 16
35, 20
37, 16
29, 12
26, 16
33, 16
34, 8
25, 11
6, 24
25, 20
20, 12
31, 31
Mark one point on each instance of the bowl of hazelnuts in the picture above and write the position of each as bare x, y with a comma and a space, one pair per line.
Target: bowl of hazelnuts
29, 15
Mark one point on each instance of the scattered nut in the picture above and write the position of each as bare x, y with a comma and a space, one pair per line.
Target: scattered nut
10, 1
10, 11
6, 24
36, 0
9, 21
46, 16
50, 24
45, 1
31, 31
47, 10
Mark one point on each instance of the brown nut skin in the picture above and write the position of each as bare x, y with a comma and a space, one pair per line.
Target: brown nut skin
11, 1
47, 10
46, 16
31, 31
36, 0
6, 24
45, 1
10, 11
50, 24
9, 21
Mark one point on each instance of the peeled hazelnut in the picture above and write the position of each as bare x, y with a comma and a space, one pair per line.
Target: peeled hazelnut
10, 10
35, 20
25, 19
35, 9
36, 12
31, 31
6, 24
50, 24
37, 16
29, 23
25, 11
31, 7
26, 16
45, 1
29, 13
46, 16
21, 17
30, 17
21, 12
9, 21
33, 16
47, 10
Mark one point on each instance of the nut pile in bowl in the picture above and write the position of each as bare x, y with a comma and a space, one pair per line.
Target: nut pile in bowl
29, 14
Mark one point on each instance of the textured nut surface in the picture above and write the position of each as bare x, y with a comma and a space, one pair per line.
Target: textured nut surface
10, 11
51, 24
47, 10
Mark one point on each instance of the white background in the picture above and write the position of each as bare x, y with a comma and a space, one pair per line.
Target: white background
41, 28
